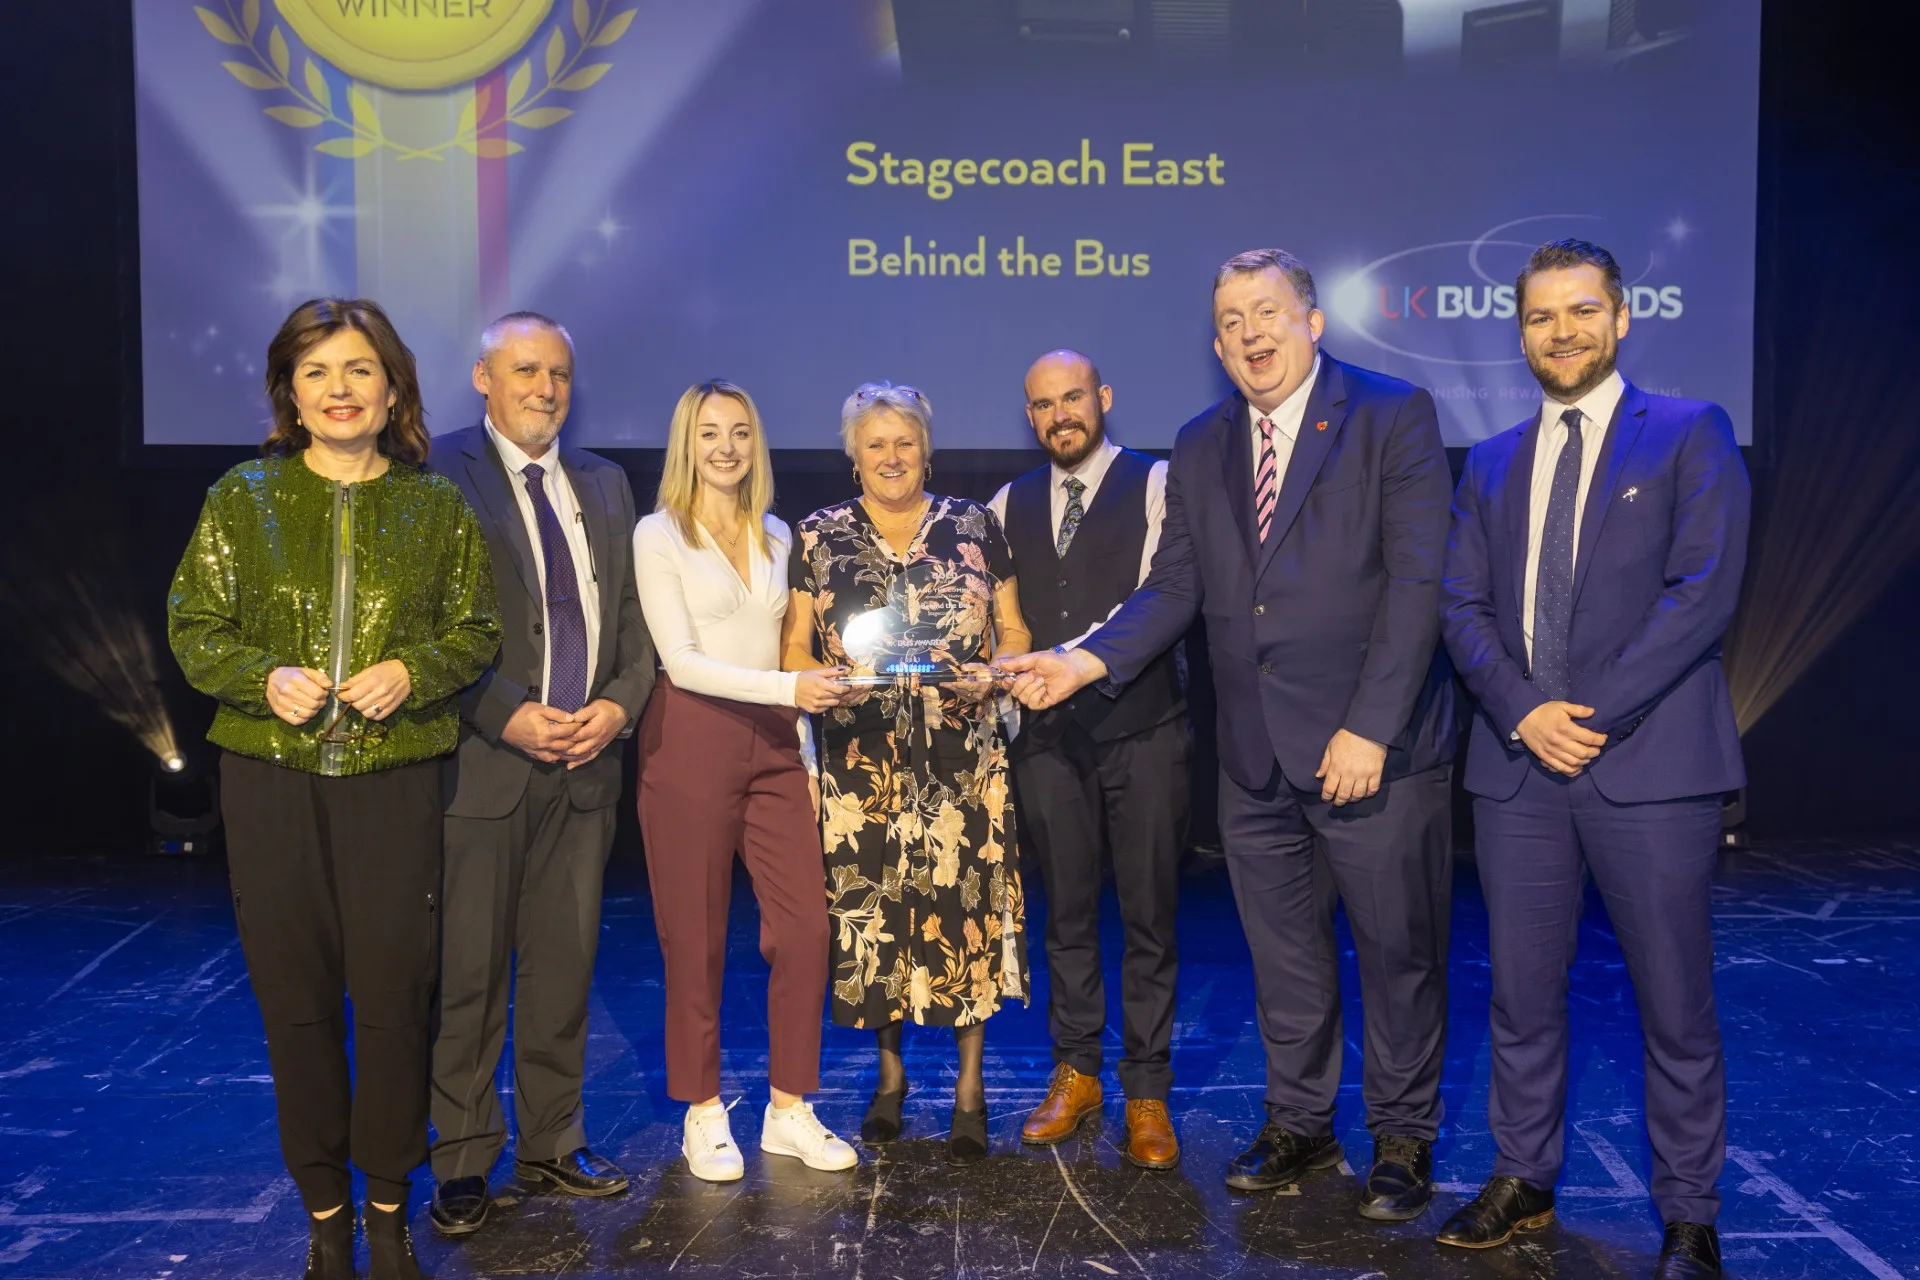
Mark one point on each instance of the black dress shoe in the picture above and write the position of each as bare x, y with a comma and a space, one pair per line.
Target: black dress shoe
1278, 1157
1400, 1187
390, 1246
579, 1173
1690, 1252
460, 1206
967, 1137
882, 1122
1505, 1205
330, 1246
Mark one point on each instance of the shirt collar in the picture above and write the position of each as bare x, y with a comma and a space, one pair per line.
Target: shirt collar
1596, 407
1289, 413
514, 457
1091, 469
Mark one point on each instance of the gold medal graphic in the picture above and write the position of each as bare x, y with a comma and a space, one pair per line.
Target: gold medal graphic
415, 44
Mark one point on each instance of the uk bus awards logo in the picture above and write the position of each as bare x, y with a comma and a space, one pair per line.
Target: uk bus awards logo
415, 45
1452, 302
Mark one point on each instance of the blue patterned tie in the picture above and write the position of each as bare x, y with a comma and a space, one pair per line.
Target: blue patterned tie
1071, 517
566, 620
1553, 587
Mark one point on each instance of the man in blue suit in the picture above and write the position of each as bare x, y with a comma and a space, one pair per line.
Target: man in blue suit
1305, 521
1594, 562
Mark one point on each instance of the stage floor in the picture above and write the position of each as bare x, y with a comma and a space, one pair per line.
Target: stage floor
137, 1140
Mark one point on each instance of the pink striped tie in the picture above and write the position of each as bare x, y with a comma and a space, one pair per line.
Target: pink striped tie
1266, 481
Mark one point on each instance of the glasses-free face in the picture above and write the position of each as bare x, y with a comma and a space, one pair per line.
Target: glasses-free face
1570, 330
1264, 335
890, 458
340, 390
722, 443
528, 383
1067, 408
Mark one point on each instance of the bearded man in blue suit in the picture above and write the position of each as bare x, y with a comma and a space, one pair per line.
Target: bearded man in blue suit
1593, 564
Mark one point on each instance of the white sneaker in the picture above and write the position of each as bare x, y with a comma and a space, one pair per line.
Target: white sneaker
708, 1146
798, 1132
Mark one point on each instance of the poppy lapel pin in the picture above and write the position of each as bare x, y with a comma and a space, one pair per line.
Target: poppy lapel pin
1320, 425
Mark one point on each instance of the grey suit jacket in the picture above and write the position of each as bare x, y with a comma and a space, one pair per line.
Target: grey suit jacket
485, 777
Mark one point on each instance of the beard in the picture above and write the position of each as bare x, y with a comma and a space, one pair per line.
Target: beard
1093, 434
1569, 385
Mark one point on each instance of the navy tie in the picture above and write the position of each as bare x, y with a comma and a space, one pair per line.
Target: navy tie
1553, 587
566, 620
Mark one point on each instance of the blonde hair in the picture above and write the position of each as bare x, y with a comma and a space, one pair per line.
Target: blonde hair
870, 398
680, 478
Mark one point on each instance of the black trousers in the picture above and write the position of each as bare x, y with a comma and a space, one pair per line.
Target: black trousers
521, 917
1390, 860
1080, 798
335, 888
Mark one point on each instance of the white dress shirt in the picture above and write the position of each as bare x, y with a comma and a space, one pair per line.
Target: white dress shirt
1090, 471
1596, 416
717, 635
566, 506
1287, 417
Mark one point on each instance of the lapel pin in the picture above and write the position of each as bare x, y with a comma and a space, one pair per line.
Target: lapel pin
1320, 425
1631, 493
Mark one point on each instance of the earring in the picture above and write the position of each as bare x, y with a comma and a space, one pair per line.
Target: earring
926, 474
856, 474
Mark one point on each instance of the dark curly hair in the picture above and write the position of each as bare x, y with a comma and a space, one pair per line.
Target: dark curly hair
404, 438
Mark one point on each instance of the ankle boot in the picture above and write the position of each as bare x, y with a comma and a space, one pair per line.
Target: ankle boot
330, 1246
390, 1246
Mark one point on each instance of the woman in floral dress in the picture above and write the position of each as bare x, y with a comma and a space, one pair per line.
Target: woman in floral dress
922, 875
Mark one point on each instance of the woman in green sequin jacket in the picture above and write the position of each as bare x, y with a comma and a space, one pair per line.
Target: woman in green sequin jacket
334, 600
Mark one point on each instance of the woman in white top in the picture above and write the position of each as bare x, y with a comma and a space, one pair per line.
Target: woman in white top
721, 772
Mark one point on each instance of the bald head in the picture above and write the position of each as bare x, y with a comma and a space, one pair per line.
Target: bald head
1067, 405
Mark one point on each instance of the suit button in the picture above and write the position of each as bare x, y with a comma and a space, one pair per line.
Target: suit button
533, 691
1061, 583
539, 629
1063, 615
1266, 668
1259, 611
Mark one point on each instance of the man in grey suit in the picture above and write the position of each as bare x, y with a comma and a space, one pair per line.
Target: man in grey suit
531, 789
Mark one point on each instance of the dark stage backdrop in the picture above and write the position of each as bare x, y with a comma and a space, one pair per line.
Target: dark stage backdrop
97, 530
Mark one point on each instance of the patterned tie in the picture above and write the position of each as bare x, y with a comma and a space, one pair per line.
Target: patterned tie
566, 620
1553, 586
1070, 520
1266, 481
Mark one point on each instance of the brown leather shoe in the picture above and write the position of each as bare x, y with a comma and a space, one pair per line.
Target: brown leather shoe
1071, 1098
1151, 1143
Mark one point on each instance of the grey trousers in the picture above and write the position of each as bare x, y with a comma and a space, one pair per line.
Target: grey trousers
521, 915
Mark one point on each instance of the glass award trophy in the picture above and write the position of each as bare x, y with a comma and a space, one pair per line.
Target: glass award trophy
897, 642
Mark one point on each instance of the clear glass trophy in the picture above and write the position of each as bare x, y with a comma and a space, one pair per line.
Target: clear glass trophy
897, 642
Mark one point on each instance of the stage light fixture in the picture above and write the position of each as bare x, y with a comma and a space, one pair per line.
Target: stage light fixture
76, 619
183, 808
1733, 819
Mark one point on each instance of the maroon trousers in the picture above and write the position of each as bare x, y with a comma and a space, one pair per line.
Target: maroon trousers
719, 777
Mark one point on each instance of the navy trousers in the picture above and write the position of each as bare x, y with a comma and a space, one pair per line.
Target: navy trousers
1389, 859
1653, 865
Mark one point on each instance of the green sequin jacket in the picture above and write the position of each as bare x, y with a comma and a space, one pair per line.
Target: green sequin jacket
280, 550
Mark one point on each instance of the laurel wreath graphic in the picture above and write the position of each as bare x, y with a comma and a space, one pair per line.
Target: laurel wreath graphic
271, 71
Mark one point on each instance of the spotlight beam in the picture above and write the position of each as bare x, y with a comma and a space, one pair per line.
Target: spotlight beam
1838, 515
89, 637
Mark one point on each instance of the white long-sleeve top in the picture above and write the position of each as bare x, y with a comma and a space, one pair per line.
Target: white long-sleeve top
715, 634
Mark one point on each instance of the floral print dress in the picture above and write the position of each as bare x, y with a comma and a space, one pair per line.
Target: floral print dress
922, 878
